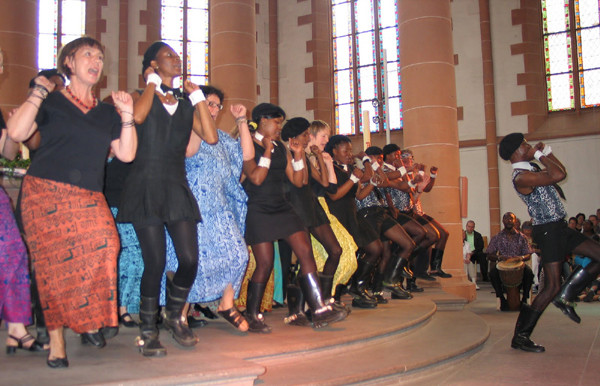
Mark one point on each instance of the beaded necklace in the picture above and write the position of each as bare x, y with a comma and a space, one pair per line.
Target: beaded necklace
94, 100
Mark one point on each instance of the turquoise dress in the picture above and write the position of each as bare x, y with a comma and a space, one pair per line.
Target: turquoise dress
214, 177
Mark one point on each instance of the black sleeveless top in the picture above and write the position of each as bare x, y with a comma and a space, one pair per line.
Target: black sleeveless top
156, 187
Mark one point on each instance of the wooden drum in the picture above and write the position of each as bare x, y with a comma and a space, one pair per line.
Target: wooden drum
511, 274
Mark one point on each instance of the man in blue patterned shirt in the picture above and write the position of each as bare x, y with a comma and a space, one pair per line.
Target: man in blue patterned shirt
537, 188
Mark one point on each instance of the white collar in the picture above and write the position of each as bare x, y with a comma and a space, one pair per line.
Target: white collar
522, 165
391, 167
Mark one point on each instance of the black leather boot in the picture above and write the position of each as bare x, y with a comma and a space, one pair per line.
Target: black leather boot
358, 289
392, 278
575, 283
256, 321
326, 282
526, 322
436, 263
411, 285
378, 288
295, 301
148, 342
173, 315
322, 314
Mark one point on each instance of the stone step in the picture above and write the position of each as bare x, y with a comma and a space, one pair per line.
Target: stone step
445, 337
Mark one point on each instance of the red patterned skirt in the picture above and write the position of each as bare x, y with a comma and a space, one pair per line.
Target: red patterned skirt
73, 245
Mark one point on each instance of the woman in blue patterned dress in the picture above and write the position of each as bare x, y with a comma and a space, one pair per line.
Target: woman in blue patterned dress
213, 174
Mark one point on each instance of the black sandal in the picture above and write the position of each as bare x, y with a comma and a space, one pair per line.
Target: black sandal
233, 316
34, 347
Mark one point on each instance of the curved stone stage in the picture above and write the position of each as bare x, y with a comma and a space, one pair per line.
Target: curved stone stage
394, 341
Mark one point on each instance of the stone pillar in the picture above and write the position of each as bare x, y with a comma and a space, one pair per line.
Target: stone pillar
430, 123
19, 40
489, 102
233, 54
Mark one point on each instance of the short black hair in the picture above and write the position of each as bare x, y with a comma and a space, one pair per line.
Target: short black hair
373, 150
267, 111
335, 141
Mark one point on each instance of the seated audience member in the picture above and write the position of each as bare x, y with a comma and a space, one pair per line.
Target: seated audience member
594, 219
572, 223
475, 241
509, 245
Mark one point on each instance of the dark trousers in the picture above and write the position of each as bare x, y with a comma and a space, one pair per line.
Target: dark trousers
483, 265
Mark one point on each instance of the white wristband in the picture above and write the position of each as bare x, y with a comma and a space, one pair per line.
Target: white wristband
433, 175
538, 154
402, 170
298, 165
354, 179
154, 78
264, 162
366, 159
412, 184
547, 150
422, 172
197, 97
375, 166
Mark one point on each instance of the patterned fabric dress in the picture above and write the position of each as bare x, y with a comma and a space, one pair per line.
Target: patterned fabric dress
131, 266
214, 178
15, 304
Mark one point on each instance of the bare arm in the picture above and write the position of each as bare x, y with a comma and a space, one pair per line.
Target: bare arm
363, 190
8, 148
345, 187
21, 125
296, 177
257, 174
239, 114
125, 146
203, 125
554, 172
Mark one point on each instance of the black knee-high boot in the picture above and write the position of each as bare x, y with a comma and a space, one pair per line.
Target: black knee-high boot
295, 301
575, 283
326, 282
526, 322
391, 278
378, 288
322, 314
436, 263
358, 289
256, 321
148, 340
173, 318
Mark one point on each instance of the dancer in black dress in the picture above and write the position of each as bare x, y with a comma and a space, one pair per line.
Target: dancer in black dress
315, 219
156, 194
343, 206
271, 217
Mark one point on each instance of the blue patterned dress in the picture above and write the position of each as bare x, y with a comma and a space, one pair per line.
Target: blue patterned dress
214, 178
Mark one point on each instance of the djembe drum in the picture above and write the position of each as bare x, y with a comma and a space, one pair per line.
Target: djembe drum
511, 275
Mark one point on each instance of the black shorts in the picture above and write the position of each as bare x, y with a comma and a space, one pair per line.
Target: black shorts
403, 218
423, 220
378, 218
556, 240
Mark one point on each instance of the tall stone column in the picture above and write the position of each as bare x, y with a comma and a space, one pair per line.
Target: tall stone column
233, 53
430, 123
18, 39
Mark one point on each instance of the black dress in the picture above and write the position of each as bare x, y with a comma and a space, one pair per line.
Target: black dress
270, 215
344, 209
157, 188
305, 202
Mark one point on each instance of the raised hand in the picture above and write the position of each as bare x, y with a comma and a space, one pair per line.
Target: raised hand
123, 103
189, 86
44, 82
238, 111
433, 170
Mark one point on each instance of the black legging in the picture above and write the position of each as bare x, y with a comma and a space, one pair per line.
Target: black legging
263, 254
153, 244
324, 234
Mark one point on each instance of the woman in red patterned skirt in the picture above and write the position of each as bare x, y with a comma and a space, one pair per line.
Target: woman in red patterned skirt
68, 226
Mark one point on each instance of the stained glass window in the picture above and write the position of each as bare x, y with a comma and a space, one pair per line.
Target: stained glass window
362, 31
60, 21
184, 26
571, 31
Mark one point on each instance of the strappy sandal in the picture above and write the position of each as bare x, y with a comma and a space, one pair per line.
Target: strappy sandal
233, 316
35, 346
